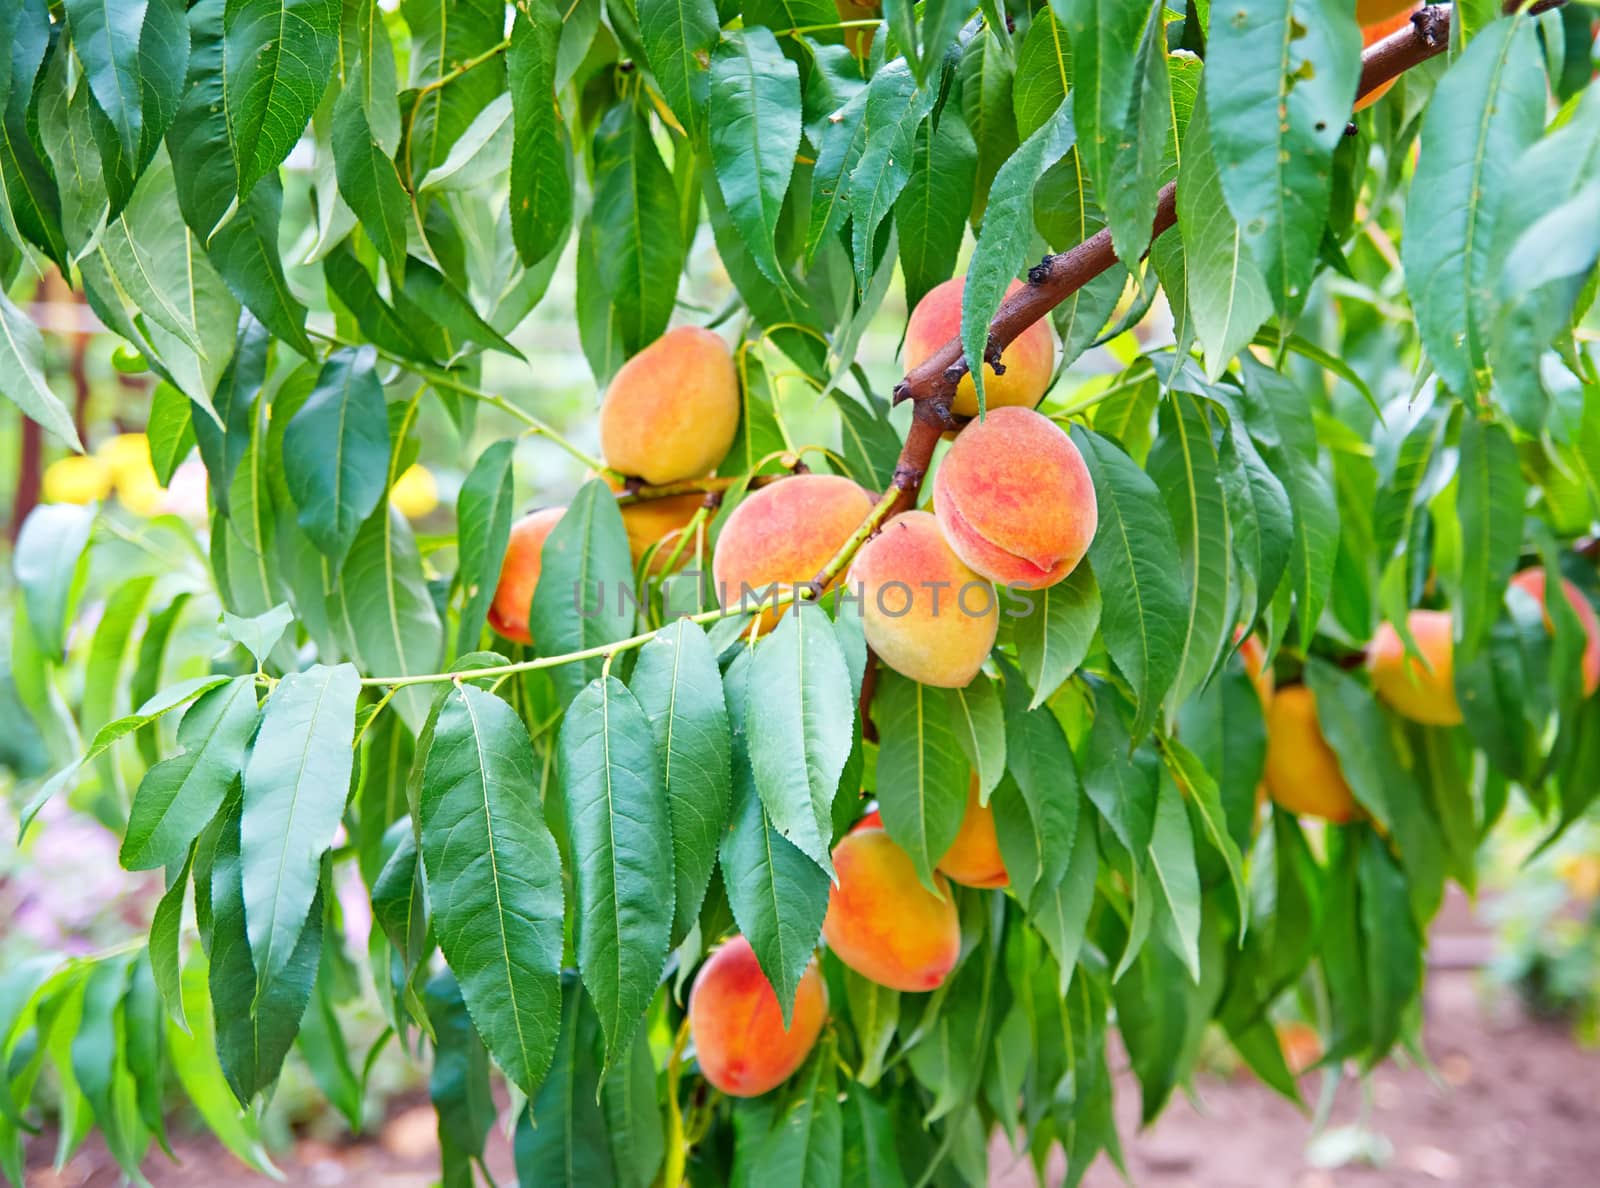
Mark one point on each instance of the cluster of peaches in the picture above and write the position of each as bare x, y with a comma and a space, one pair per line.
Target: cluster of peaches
1014, 506
1302, 771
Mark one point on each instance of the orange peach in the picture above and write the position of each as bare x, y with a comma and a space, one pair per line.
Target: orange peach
860, 39
882, 922
1029, 361
519, 573
1533, 582
1379, 18
659, 521
1302, 1046
1422, 692
1015, 500
782, 535
672, 409
927, 615
973, 859
739, 1037
1303, 773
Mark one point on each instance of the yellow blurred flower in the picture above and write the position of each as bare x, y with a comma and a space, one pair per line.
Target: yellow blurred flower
77, 478
1581, 873
415, 493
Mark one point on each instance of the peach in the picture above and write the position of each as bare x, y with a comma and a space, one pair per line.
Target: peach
1303, 773
859, 40
1533, 582
519, 573
672, 409
1302, 1046
1379, 18
1015, 500
782, 535
973, 859
739, 1037
924, 611
1029, 361
1422, 692
659, 521
882, 922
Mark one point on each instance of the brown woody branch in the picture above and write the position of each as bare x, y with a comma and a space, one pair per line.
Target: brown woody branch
1058, 276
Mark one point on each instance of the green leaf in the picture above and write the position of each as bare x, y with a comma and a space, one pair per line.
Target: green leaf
444, 34
295, 786
1122, 781
258, 634
1291, 68
179, 795
375, 76
895, 107
874, 1016
1061, 914
986, 74
1007, 236
22, 376
870, 1156
194, 1060
1135, 553
1393, 945
429, 299
541, 177
1226, 292
1206, 797
804, 1144
678, 38
483, 526
47, 564
755, 133
839, 141
1280, 418
32, 207
458, 1084
1044, 72
256, 1020
633, 1120
1183, 462
923, 774
1489, 502
584, 596
1172, 862
368, 180
561, 1136
800, 732
778, 894
621, 841
930, 216
1054, 634
494, 879
978, 717
1045, 780
678, 686
278, 57
1122, 104
386, 610
165, 943
1484, 112
336, 451
638, 239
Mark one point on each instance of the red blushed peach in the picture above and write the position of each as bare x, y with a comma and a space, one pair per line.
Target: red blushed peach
1015, 499
519, 573
1303, 773
973, 859
739, 1037
782, 535
882, 922
1029, 361
1423, 693
927, 615
672, 409
1533, 582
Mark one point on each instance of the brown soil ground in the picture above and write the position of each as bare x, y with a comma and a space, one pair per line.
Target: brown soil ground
1512, 1104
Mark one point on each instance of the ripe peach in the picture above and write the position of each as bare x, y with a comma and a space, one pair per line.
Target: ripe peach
672, 409
1015, 500
782, 535
859, 40
1379, 18
1303, 773
1301, 1044
659, 521
926, 614
973, 859
1533, 581
1424, 694
882, 922
739, 1037
519, 573
1029, 361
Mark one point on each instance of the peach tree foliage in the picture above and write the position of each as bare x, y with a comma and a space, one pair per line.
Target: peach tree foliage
1376, 401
